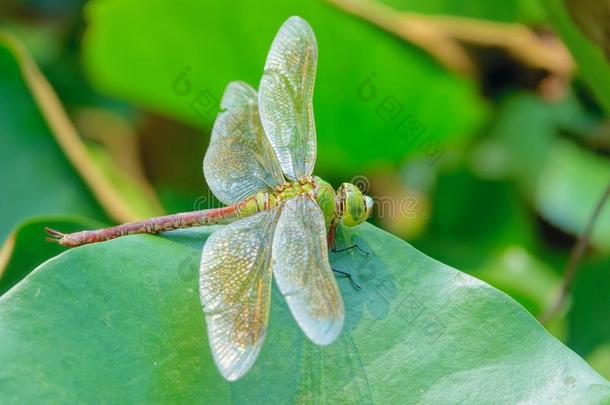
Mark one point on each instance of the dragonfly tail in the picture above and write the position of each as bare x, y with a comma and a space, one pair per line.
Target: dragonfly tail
54, 235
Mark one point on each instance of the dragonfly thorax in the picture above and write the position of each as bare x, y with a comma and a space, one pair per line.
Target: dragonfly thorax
296, 188
347, 205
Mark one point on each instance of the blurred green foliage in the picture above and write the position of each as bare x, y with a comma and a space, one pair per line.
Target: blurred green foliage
593, 64
36, 177
181, 75
531, 12
517, 182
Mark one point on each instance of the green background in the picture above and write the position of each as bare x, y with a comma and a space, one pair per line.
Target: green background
525, 159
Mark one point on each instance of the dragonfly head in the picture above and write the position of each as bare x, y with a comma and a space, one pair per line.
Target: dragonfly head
355, 206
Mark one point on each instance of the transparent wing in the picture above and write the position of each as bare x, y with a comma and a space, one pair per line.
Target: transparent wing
303, 273
240, 161
285, 97
235, 289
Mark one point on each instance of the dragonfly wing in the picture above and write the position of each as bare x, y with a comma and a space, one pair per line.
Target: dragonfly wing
235, 289
285, 97
240, 161
303, 273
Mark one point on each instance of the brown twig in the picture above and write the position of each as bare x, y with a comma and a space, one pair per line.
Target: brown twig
575, 257
443, 37
6, 251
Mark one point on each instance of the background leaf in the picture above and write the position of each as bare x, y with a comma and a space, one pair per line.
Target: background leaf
46, 167
570, 185
594, 67
368, 82
593, 18
121, 321
562, 180
506, 11
36, 177
589, 324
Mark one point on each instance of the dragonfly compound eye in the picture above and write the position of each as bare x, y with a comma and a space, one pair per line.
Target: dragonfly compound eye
355, 211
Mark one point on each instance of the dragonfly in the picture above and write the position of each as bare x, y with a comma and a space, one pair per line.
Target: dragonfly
280, 220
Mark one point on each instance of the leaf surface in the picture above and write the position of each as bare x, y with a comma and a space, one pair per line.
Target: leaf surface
122, 321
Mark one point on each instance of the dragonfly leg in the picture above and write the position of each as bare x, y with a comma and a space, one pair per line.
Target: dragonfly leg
331, 235
335, 250
332, 245
349, 276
